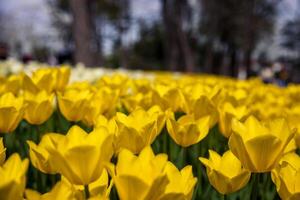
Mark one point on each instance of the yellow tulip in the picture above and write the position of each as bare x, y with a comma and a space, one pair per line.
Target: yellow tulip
80, 156
187, 130
227, 113
11, 112
110, 124
286, 177
43, 78
64, 190
100, 189
140, 177
2, 152
133, 101
13, 178
293, 116
139, 129
61, 77
167, 97
226, 174
181, 185
11, 84
39, 107
103, 102
259, 145
39, 154
117, 82
73, 104
203, 107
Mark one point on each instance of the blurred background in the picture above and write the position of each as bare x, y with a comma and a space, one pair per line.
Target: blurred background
238, 38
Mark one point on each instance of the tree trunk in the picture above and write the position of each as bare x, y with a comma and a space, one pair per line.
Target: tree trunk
208, 58
83, 32
248, 62
177, 49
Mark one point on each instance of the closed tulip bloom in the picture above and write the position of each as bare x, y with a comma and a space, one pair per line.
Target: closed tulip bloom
39, 107
103, 102
41, 79
44, 79
286, 177
61, 77
11, 84
203, 107
11, 112
187, 130
140, 177
181, 185
73, 104
226, 174
110, 124
39, 154
227, 113
2, 152
80, 156
139, 128
13, 178
259, 145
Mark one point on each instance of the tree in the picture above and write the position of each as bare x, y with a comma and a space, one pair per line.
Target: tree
291, 36
83, 31
177, 47
235, 27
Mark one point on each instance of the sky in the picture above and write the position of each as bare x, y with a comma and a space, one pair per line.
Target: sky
30, 20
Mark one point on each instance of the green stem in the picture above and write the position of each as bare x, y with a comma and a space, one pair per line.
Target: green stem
165, 142
182, 158
255, 186
86, 192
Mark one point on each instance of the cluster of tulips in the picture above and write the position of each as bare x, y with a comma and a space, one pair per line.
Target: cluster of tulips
155, 136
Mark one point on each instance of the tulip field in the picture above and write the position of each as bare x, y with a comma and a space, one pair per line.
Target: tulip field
75, 133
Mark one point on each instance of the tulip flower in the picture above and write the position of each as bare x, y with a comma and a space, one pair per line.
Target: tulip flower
226, 174
44, 79
11, 112
286, 177
2, 152
187, 130
11, 84
61, 77
64, 190
39, 107
203, 107
181, 185
73, 104
168, 97
103, 102
80, 157
293, 116
12, 176
39, 154
227, 113
117, 82
133, 101
110, 124
140, 177
139, 129
258, 145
